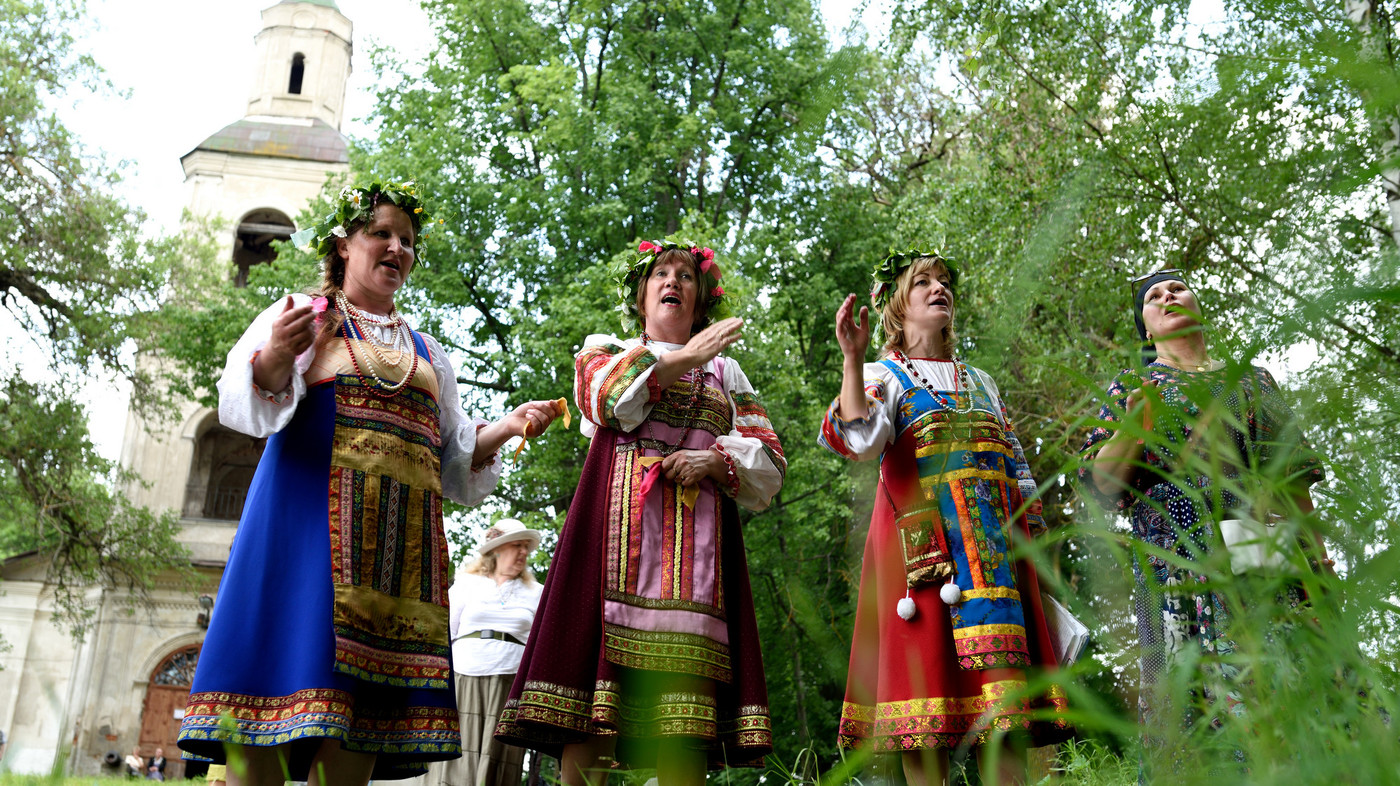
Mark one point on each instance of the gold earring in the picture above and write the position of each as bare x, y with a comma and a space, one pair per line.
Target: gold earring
1149, 339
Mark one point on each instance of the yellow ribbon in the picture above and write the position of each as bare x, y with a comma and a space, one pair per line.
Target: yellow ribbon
689, 494
561, 405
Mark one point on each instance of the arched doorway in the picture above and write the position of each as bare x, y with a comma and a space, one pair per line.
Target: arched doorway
167, 692
253, 243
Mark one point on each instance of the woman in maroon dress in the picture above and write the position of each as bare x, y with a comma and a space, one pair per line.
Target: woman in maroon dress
645, 645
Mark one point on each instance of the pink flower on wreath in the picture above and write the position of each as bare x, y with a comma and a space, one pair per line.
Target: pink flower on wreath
647, 245
707, 254
717, 292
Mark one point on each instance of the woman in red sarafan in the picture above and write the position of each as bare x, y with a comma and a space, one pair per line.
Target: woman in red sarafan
949, 622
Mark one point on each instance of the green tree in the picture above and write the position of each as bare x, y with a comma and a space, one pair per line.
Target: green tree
1091, 142
81, 285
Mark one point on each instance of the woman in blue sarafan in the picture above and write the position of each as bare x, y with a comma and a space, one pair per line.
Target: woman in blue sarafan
327, 654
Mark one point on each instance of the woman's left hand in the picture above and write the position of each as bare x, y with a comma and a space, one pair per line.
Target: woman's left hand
689, 467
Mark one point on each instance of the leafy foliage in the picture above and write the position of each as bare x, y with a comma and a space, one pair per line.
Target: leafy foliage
1058, 148
61, 505
78, 278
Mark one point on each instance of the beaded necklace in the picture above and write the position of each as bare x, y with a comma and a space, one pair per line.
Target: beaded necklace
697, 376
357, 317
962, 380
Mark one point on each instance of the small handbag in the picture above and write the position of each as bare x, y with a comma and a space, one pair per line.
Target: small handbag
1257, 546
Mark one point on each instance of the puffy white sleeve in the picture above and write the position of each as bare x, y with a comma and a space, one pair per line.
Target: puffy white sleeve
247, 408
460, 482
863, 439
756, 462
614, 383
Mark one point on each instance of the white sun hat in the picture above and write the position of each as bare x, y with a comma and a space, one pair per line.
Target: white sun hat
508, 531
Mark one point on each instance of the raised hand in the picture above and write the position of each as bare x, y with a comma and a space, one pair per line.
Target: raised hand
854, 338
292, 334
293, 331
1139, 404
705, 345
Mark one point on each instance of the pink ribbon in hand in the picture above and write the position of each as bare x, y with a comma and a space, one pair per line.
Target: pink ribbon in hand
649, 478
318, 307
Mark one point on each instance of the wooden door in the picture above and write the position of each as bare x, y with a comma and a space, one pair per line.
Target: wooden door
166, 695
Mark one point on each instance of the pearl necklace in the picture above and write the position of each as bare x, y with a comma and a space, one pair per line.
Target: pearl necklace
355, 316
393, 322
697, 376
961, 380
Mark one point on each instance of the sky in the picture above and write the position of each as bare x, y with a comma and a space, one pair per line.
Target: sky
184, 71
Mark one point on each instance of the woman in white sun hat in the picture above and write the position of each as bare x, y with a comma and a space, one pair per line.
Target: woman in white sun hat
493, 605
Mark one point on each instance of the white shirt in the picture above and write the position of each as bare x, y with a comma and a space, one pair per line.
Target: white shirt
247, 409
479, 603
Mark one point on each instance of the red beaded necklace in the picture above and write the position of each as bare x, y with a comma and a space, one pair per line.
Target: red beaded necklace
962, 380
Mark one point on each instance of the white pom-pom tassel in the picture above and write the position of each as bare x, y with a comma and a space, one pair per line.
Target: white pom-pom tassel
951, 593
905, 608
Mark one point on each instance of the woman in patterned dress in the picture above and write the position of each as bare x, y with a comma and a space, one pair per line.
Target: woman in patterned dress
949, 620
327, 655
645, 646
1185, 442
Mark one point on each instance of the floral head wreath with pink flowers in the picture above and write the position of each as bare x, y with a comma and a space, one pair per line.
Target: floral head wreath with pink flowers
631, 274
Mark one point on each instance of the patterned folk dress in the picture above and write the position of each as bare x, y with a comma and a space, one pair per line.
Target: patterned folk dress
331, 619
646, 628
950, 498
1180, 619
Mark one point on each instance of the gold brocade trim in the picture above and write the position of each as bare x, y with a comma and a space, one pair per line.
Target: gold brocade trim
681, 653
268, 708
976, 445
403, 619
988, 630
711, 412
676, 604
992, 694
961, 474
378, 454
991, 593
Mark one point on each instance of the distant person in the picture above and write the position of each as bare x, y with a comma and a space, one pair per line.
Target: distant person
493, 606
949, 624
328, 649
135, 765
645, 648
155, 767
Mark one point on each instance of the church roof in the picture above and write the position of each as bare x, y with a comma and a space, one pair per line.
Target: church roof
315, 141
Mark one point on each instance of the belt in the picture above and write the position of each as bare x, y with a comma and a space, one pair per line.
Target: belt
490, 634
